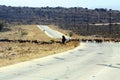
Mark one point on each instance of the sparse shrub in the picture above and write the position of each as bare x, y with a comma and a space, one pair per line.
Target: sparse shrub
9, 48
24, 33
52, 41
70, 34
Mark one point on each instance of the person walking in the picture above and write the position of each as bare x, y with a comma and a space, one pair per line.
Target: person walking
63, 39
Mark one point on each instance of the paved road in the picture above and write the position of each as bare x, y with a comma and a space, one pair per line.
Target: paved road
90, 61
50, 32
99, 24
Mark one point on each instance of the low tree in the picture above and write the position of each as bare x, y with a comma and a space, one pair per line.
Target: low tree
70, 34
1, 26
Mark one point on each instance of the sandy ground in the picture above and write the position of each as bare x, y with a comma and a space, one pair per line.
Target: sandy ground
90, 61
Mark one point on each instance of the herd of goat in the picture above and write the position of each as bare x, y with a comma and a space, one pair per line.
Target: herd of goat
50, 42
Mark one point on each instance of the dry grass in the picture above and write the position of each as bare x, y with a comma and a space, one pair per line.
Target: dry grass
25, 32
11, 53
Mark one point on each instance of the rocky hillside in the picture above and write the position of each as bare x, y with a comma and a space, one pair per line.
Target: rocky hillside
57, 15
77, 19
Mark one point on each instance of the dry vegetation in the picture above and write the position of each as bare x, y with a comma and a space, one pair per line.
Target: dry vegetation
24, 32
11, 53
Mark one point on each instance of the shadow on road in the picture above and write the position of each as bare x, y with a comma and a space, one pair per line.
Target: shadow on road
109, 65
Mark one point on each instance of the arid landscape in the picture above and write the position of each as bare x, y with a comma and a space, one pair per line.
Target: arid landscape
59, 40
14, 52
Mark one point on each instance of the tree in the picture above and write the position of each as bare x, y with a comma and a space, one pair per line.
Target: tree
1, 26
70, 34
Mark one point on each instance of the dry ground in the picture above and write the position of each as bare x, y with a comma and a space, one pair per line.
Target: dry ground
11, 53
25, 32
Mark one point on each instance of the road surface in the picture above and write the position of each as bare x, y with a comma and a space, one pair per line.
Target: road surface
100, 24
50, 32
90, 61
